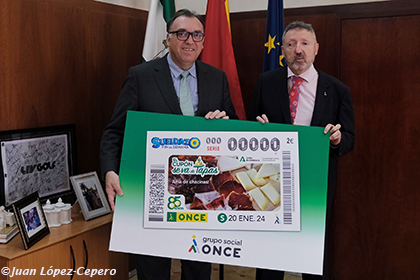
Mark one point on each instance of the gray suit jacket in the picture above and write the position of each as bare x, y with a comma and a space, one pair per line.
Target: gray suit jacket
149, 88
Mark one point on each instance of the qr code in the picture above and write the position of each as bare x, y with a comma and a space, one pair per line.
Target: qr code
156, 191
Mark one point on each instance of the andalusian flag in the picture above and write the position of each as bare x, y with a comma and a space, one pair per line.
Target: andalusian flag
218, 49
155, 39
275, 26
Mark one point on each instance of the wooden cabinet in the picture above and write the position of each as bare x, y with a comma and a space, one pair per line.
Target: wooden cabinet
74, 251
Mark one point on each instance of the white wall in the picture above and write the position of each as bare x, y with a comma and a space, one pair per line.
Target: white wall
236, 5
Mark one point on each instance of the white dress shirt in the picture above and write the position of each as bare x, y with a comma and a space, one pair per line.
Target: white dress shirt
306, 104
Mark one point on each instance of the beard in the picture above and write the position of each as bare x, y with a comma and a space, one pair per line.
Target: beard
297, 66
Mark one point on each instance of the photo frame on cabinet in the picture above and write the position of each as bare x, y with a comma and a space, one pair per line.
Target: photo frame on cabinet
30, 219
91, 197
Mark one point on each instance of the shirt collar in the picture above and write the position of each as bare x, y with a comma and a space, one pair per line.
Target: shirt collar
176, 71
308, 75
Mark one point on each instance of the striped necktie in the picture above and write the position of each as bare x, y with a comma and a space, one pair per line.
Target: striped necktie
185, 96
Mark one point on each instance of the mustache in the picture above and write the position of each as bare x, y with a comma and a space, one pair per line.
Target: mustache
299, 55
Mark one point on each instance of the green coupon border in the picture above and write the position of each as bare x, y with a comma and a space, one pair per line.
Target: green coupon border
313, 163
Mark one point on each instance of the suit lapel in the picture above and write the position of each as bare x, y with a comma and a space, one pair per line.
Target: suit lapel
321, 99
281, 86
203, 84
164, 82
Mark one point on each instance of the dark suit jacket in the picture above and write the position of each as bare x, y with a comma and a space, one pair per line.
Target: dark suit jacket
332, 105
149, 88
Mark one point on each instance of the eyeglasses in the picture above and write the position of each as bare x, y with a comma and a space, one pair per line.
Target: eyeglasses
183, 35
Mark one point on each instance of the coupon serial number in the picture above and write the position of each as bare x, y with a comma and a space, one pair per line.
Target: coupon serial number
246, 218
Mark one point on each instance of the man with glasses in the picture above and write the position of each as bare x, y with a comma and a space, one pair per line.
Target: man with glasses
176, 84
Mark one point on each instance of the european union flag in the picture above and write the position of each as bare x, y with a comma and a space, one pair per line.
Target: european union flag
275, 26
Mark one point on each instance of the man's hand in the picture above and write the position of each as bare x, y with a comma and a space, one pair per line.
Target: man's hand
216, 115
262, 119
112, 186
335, 137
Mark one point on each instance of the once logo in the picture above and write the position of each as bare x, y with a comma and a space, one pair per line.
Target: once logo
219, 250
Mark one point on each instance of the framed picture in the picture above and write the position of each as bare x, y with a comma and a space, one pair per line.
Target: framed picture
37, 160
91, 197
30, 219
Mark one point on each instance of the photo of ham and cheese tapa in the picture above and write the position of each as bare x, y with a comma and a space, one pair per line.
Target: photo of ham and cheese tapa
224, 183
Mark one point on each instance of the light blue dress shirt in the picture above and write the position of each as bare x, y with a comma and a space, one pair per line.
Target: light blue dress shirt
191, 80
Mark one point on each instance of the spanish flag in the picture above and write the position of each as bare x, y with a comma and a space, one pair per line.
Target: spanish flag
218, 49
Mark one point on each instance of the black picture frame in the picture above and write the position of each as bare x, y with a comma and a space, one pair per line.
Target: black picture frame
31, 220
69, 130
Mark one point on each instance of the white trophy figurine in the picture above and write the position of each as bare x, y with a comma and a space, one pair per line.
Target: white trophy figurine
10, 219
2, 217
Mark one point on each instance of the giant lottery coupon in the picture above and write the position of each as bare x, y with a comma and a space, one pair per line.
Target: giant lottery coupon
222, 180
223, 191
